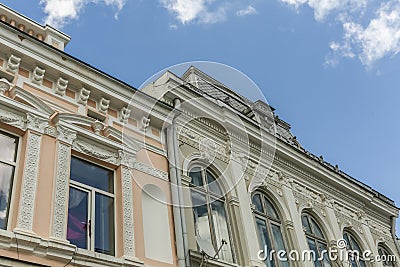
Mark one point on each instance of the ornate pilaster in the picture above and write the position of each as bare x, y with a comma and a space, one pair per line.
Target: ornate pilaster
127, 161
65, 137
35, 126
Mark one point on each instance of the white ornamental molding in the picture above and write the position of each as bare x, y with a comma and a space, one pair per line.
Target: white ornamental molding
124, 114
65, 135
61, 86
142, 167
83, 96
127, 159
13, 64
103, 105
128, 219
12, 119
36, 123
61, 190
29, 183
95, 151
38, 75
98, 126
4, 86
208, 149
144, 124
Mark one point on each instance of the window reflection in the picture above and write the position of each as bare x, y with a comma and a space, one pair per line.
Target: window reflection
211, 226
352, 245
8, 154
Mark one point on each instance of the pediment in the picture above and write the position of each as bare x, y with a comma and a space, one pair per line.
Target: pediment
31, 100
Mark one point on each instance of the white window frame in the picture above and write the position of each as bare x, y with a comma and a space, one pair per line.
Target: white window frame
91, 204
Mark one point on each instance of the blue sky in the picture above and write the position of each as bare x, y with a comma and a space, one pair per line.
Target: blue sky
330, 68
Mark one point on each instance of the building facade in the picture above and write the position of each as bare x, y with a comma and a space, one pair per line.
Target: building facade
184, 172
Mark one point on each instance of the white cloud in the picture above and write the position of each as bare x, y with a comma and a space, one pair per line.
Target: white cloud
322, 8
200, 11
59, 12
380, 38
250, 10
364, 37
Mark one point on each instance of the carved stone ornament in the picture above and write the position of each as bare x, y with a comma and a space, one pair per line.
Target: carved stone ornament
12, 119
95, 151
103, 105
144, 123
61, 190
61, 86
128, 219
98, 126
4, 86
36, 123
83, 96
38, 75
142, 167
29, 183
127, 159
124, 114
65, 135
13, 64
208, 149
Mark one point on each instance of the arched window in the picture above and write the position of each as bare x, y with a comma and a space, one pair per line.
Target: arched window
269, 229
316, 241
386, 258
210, 218
354, 248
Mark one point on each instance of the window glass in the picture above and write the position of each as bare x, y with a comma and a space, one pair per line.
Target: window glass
278, 238
213, 185
8, 156
195, 174
315, 229
316, 241
269, 230
221, 229
306, 224
202, 223
8, 147
270, 209
352, 245
92, 175
91, 211
265, 241
210, 218
78, 221
313, 247
257, 203
6, 174
104, 224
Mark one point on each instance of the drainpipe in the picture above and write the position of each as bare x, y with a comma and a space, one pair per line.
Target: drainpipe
393, 230
176, 192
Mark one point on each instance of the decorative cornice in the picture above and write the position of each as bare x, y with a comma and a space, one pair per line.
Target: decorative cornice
94, 150
142, 167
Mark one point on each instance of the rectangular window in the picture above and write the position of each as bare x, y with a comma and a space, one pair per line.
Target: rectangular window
8, 157
91, 207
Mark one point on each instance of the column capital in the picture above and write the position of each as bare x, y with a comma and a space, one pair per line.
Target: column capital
65, 135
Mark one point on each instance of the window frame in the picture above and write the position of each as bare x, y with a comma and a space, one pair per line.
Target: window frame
209, 195
17, 166
92, 203
317, 240
387, 252
354, 238
269, 221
